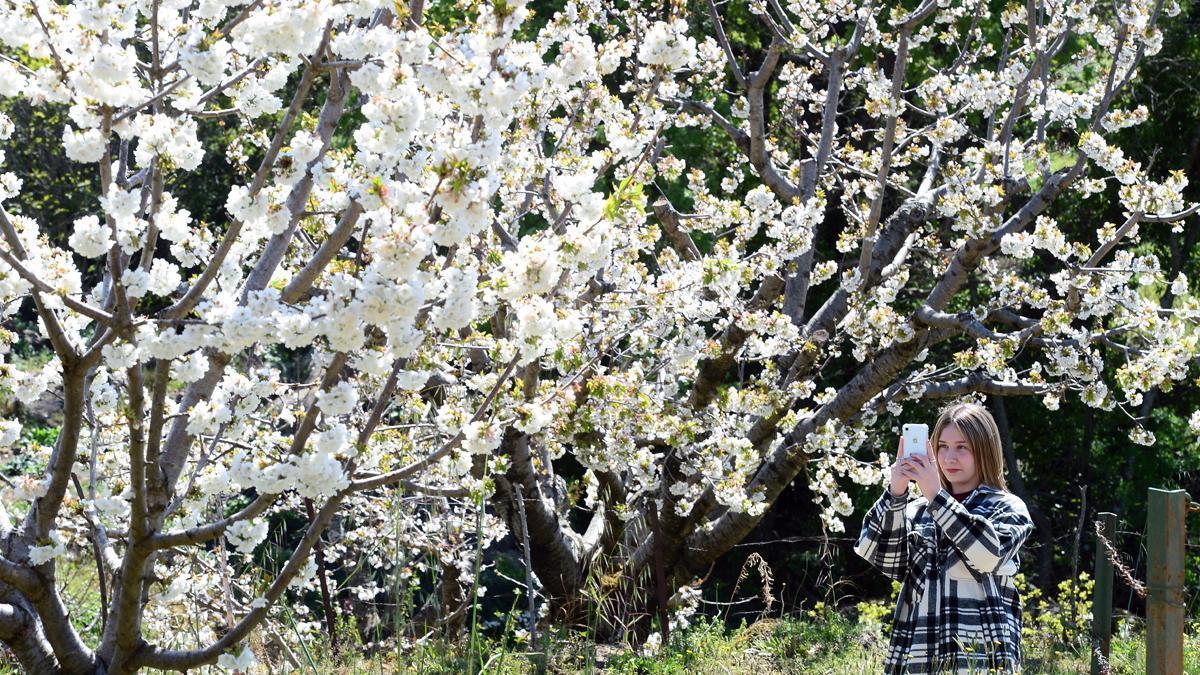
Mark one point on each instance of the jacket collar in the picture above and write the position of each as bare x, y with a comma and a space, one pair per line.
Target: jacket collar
981, 490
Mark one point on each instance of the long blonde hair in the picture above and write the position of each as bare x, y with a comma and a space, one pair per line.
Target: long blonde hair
978, 426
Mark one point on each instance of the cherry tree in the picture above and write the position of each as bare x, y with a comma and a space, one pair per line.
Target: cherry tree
467, 234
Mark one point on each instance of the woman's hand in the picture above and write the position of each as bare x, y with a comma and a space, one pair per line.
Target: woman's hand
901, 472
925, 472
921, 468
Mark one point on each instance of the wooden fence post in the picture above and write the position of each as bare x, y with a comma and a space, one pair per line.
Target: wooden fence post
1102, 592
1166, 533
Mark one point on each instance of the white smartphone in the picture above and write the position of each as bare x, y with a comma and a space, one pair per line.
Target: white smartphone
916, 439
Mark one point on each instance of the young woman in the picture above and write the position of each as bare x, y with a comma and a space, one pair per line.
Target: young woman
955, 550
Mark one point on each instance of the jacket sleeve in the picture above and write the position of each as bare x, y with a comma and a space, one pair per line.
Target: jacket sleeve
985, 541
883, 540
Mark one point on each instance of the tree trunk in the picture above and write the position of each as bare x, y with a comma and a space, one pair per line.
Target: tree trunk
1043, 527
21, 632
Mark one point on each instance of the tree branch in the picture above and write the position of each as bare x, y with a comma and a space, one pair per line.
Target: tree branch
795, 296
719, 29
907, 218
193, 295
982, 383
668, 217
760, 156
331, 113
739, 137
18, 631
13, 259
885, 152
19, 577
963, 321
411, 469
304, 279
153, 657
12, 621
203, 533
44, 510
969, 254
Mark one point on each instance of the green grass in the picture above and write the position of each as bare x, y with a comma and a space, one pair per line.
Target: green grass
830, 642
818, 642
821, 642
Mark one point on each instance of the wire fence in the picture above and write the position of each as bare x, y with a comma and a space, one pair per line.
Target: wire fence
1158, 576
1131, 576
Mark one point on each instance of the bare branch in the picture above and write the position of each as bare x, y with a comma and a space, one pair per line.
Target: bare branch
154, 657
896, 105
44, 510
303, 280
50, 44
202, 533
170, 89
899, 225
969, 254
901, 256
1109, 245
19, 577
918, 15
760, 157
963, 321
432, 491
719, 28
740, 138
277, 245
668, 217
1022, 93
135, 418
795, 297
12, 621
1171, 217
983, 383
382, 401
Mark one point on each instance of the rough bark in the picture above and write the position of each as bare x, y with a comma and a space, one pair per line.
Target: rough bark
1042, 525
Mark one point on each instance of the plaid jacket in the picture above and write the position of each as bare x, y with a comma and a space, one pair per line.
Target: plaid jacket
958, 611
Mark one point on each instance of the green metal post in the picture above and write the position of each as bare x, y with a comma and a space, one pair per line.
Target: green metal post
1102, 592
1167, 537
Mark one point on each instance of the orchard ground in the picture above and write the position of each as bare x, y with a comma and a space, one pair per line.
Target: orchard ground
823, 641
850, 639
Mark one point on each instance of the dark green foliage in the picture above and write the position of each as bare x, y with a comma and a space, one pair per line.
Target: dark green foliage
55, 190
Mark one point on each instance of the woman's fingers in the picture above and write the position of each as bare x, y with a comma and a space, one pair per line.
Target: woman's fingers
906, 468
900, 449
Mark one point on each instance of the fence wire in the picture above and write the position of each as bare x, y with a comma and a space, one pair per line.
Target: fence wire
1131, 576
1114, 556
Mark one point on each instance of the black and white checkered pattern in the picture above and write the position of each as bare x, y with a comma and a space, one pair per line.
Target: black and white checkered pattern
958, 611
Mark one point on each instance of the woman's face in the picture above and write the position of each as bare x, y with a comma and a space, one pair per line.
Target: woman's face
956, 461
